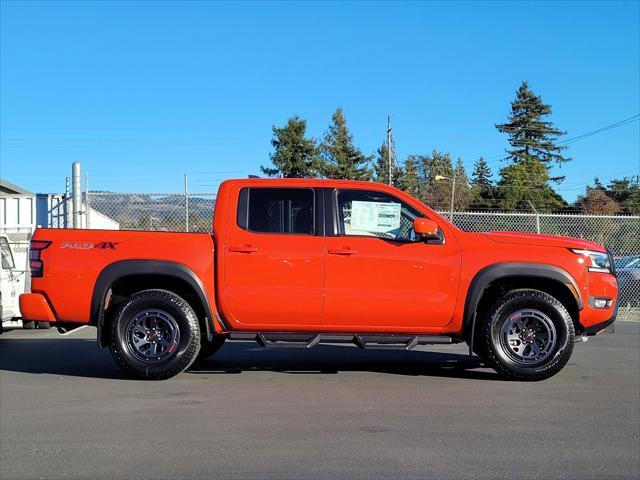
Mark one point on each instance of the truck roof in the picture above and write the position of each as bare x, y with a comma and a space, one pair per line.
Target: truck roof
310, 182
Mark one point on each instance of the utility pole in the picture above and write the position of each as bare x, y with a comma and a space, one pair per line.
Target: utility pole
389, 159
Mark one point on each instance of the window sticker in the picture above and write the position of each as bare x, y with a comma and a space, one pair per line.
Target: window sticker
374, 217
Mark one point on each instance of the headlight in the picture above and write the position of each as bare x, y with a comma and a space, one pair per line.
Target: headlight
595, 261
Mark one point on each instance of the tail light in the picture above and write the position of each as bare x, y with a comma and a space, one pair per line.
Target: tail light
35, 262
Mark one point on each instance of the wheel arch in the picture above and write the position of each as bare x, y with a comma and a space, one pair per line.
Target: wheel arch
495, 279
126, 277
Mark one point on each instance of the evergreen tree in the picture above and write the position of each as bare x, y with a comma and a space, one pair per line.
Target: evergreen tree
341, 159
381, 167
463, 194
626, 192
525, 182
437, 193
481, 176
410, 181
421, 165
532, 138
483, 195
294, 155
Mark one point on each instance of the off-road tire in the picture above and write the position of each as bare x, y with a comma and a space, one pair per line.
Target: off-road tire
208, 348
187, 347
29, 324
44, 325
496, 355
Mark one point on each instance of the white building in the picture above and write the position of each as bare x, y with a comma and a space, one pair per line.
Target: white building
17, 219
22, 211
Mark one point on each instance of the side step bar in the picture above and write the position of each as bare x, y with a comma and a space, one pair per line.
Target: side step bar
308, 340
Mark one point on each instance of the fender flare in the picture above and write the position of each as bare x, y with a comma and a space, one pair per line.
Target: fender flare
489, 274
124, 268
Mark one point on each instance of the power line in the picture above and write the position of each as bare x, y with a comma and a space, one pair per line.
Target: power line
602, 129
570, 140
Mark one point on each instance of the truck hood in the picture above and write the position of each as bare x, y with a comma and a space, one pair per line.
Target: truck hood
542, 240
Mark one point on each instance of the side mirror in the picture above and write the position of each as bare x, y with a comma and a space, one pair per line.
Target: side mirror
425, 228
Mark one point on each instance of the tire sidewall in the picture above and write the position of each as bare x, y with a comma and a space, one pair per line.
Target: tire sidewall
558, 316
184, 316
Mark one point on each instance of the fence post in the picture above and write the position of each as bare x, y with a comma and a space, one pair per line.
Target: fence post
87, 202
186, 202
63, 208
537, 216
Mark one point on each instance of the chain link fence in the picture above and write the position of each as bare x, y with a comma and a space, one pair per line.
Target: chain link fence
193, 212
620, 234
174, 212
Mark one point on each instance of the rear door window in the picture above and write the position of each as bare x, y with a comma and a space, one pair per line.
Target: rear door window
277, 210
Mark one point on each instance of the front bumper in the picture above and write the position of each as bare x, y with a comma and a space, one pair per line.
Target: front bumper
34, 306
599, 327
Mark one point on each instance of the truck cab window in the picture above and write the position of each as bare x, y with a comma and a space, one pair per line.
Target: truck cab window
280, 210
377, 214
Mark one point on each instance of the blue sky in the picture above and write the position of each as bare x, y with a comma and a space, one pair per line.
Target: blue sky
141, 93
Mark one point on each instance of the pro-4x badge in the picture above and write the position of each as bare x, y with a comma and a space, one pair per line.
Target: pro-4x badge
89, 245
107, 245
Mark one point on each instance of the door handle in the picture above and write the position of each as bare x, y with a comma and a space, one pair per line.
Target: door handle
342, 251
243, 249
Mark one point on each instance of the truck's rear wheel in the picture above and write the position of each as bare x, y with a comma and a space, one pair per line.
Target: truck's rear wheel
527, 335
155, 335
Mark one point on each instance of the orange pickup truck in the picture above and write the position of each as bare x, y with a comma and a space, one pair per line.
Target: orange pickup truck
297, 262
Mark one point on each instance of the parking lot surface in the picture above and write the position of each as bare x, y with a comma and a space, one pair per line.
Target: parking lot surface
67, 411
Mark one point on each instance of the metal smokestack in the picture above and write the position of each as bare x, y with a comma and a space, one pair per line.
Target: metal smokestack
76, 186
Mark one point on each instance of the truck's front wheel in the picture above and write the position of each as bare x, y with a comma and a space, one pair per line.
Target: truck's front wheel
527, 335
155, 335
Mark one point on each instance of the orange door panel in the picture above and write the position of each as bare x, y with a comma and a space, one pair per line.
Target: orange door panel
273, 272
383, 279
371, 282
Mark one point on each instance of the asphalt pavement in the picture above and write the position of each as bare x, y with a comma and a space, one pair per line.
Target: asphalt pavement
66, 411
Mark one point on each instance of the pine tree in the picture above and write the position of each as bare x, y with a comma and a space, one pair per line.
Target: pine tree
481, 176
410, 181
534, 151
437, 193
381, 167
463, 195
421, 163
483, 195
532, 138
525, 182
340, 157
294, 155
626, 191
